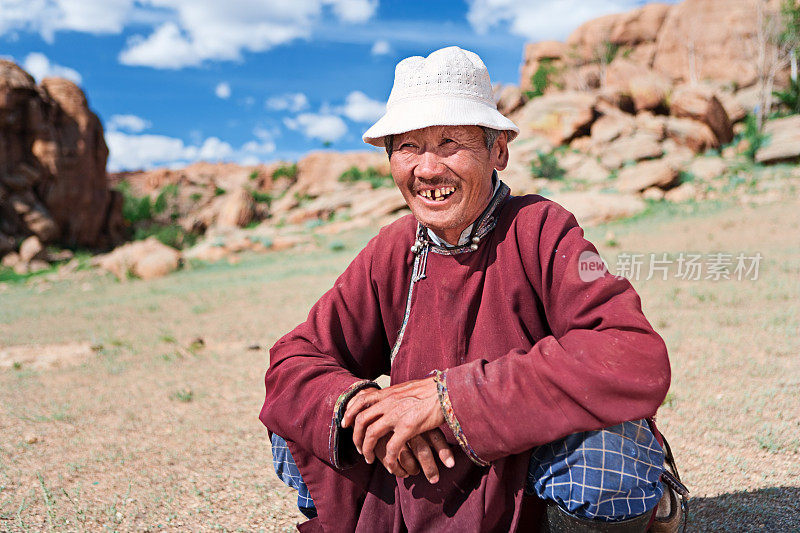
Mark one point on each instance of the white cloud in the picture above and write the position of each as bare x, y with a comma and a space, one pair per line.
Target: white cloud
293, 102
49, 16
354, 10
212, 149
131, 152
381, 47
129, 123
40, 67
167, 47
359, 107
326, 128
223, 90
550, 19
200, 30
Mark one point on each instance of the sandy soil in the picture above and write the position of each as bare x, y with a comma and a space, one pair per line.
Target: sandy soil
153, 424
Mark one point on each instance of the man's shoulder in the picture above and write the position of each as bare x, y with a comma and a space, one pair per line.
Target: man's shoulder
393, 240
538, 210
400, 231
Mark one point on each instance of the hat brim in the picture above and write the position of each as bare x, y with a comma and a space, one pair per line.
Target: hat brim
414, 113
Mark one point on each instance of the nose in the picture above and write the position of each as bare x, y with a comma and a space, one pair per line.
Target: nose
429, 166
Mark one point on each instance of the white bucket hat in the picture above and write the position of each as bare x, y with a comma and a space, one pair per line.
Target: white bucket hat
450, 87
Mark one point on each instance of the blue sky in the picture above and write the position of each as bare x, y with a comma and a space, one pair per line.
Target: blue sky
176, 81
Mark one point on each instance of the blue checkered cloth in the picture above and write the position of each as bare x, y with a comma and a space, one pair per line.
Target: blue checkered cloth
288, 472
611, 474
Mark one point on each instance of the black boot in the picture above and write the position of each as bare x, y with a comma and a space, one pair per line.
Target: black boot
557, 520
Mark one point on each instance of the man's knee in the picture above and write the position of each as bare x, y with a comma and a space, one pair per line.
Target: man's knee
287, 471
611, 474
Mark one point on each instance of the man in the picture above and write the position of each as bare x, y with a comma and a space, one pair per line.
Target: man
516, 385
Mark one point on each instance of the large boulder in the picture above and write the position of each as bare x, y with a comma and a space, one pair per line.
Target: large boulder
640, 25
558, 116
589, 169
146, 259
626, 149
236, 209
609, 127
52, 164
707, 168
783, 141
690, 133
700, 103
647, 88
709, 40
589, 40
655, 173
592, 208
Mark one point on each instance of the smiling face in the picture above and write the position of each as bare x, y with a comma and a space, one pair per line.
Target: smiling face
444, 173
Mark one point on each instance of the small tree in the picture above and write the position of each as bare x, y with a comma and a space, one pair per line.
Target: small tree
790, 15
775, 41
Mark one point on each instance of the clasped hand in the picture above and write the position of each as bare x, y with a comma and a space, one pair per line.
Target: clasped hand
399, 426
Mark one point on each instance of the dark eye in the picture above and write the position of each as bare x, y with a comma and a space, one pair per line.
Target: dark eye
445, 141
406, 145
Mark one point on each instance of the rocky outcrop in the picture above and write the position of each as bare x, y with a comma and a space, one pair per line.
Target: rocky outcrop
701, 104
53, 155
692, 41
559, 116
782, 141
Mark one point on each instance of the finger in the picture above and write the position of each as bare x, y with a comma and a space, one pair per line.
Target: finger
422, 451
397, 441
362, 421
393, 467
408, 462
443, 450
357, 403
375, 431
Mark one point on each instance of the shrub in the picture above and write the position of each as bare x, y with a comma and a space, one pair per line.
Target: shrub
171, 235
168, 192
545, 165
790, 98
370, 175
134, 208
541, 78
285, 171
755, 138
262, 197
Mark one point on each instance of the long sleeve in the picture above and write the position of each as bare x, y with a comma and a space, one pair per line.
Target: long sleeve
315, 368
601, 364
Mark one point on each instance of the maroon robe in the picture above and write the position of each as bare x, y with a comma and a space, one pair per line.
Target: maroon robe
534, 354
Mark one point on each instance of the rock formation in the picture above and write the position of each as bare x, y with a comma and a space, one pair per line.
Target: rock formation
52, 166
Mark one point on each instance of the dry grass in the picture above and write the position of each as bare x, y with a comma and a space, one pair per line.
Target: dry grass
151, 430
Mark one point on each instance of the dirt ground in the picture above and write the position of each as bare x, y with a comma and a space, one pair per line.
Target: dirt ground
133, 406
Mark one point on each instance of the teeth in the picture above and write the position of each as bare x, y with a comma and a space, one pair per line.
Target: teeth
438, 194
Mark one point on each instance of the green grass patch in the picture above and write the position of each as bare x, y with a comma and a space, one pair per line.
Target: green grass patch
370, 175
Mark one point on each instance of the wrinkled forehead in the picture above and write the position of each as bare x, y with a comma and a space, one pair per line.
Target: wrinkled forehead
458, 132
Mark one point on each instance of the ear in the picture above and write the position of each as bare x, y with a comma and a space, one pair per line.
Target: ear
499, 153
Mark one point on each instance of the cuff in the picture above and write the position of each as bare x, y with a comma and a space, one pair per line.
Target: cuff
341, 455
450, 417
